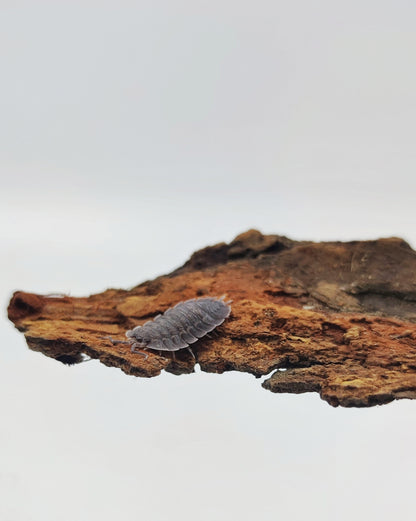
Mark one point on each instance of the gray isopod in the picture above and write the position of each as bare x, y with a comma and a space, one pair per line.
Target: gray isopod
181, 325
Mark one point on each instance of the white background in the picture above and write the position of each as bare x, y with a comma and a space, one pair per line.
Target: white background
134, 133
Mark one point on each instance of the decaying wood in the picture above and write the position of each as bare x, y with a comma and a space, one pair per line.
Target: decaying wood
334, 318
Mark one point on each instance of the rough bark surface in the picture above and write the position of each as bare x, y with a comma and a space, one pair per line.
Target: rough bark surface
334, 318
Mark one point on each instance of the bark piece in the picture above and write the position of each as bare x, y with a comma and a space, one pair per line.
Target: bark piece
334, 318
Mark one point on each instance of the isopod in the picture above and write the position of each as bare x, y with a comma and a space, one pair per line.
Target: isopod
181, 325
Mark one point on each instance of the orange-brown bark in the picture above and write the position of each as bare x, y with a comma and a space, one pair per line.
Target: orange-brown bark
335, 318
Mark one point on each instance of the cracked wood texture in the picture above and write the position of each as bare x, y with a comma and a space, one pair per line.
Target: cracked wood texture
334, 318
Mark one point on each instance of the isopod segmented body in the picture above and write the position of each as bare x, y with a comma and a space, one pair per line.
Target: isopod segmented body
181, 325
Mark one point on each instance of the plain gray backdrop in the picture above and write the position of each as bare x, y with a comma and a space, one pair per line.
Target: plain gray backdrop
134, 133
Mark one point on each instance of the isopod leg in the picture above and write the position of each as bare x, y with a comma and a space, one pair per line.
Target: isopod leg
139, 351
190, 350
